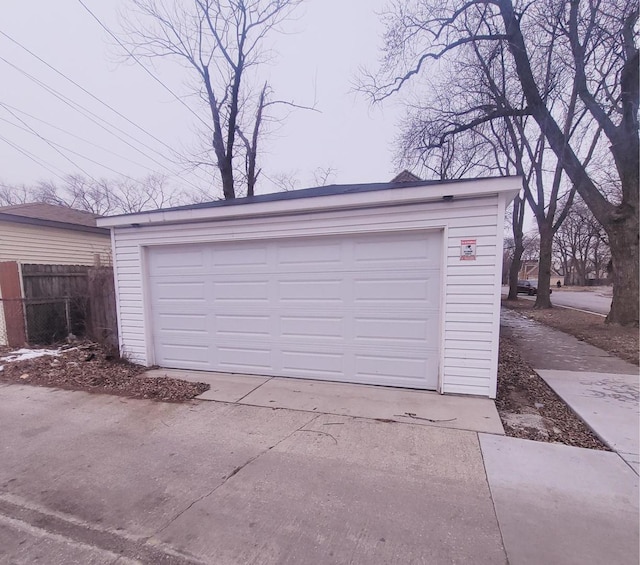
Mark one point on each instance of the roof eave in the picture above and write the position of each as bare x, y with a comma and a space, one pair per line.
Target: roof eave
4, 217
509, 186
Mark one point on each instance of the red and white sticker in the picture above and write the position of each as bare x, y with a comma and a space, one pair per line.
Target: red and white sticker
467, 250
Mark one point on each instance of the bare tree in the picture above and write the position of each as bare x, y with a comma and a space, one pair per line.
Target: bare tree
581, 246
103, 197
324, 175
222, 41
562, 55
10, 195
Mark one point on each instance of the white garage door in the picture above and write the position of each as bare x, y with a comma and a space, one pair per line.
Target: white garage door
358, 308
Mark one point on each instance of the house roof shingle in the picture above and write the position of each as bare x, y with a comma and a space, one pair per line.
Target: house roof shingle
52, 215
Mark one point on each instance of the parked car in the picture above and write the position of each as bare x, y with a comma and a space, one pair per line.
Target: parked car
529, 287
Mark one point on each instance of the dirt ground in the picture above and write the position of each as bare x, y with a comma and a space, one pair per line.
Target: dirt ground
529, 408
89, 368
619, 341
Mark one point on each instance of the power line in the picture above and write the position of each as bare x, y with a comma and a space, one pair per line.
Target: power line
146, 70
75, 105
53, 143
83, 139
63, 75
50, 144
84, 111
35, 159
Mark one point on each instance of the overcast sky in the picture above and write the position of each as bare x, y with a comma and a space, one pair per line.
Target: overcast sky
316, 63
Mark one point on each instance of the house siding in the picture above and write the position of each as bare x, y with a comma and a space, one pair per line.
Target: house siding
471, 295
52, 246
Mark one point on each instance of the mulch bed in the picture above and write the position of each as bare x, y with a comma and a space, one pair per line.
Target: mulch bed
619, 341
530, 409
90, 368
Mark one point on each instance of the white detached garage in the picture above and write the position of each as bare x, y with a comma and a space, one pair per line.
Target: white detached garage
393, 284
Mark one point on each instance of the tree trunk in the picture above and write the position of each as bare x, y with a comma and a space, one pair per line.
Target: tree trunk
623, 240
543, 297
226, 173
517, 221
514, 271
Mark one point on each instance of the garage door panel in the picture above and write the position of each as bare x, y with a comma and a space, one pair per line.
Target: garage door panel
238, 357
406, 331
395, 291
182, 322
312, 363
360, 308
238, 325
178, 260
311, 291
180, 291
397, 251
293, 255
304, 327
177, 354
249, 255
241, 291
382, 368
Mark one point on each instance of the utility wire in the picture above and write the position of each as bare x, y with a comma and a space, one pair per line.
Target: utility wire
84, 111
76, 105
50, 144
146, 70
67, 132
35, 159
105, 104
53, 143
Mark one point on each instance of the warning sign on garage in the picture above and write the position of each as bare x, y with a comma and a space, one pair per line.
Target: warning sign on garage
467, 250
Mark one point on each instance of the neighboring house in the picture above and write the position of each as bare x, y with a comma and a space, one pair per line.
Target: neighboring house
394, 284
52, 235
529, 272
528, 269
39, 234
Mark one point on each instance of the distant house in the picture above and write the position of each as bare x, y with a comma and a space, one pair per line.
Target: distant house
529, 271
405, 176
41, 241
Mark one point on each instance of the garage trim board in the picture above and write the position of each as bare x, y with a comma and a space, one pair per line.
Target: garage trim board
355, 283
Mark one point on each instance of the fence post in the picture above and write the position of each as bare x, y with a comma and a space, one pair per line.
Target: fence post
67, 314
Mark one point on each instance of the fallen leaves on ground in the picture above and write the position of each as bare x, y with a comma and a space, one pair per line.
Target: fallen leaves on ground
530, 409
89, 368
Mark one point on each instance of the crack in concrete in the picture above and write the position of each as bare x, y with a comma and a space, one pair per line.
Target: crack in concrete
234, 473
253, 390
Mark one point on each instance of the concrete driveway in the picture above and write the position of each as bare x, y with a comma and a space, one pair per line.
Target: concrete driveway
100, 479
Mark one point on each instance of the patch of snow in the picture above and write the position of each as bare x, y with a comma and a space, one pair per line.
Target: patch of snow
1, 367
24, 354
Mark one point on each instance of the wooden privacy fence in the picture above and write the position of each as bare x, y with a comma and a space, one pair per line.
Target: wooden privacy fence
55, 301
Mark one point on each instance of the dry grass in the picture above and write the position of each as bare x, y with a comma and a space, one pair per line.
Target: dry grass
619, 341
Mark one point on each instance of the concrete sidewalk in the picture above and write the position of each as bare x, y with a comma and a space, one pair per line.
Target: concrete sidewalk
560, 504
601, 388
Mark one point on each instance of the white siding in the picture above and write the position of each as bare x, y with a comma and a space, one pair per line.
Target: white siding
471, 298
52, 246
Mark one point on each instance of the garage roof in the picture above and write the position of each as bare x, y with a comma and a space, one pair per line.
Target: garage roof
321, 197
